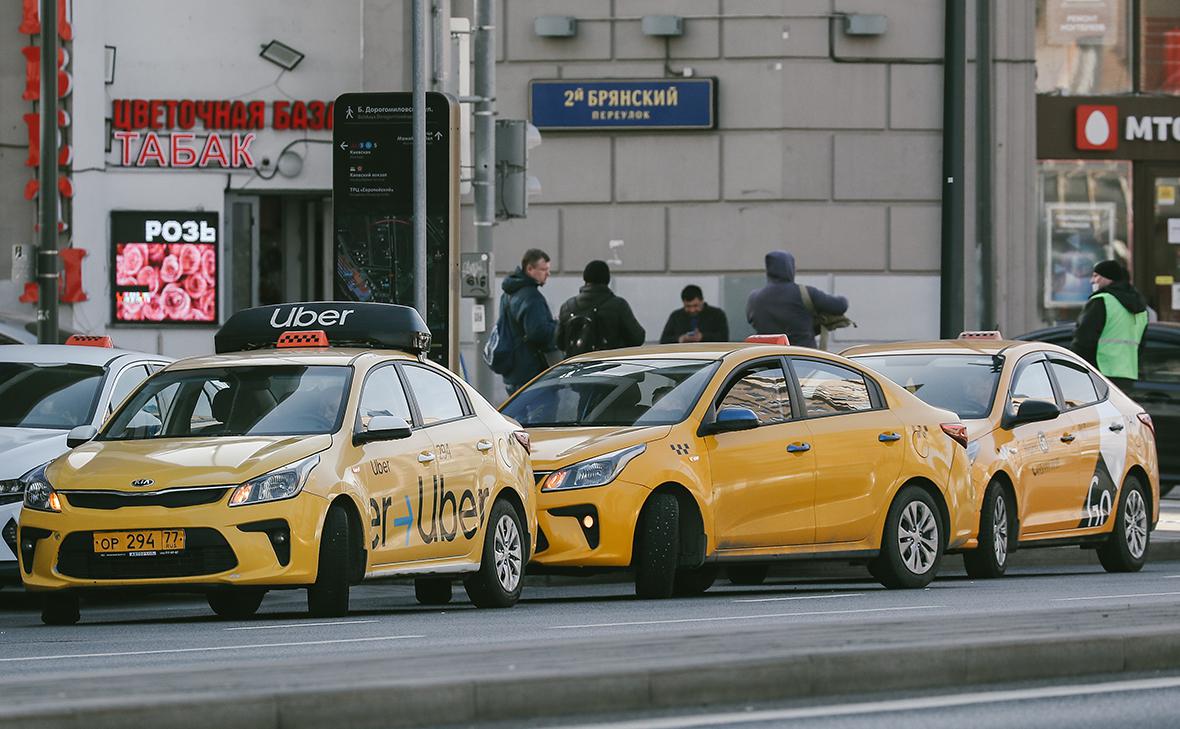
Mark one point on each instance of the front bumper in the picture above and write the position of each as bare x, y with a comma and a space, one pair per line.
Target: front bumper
568, 538
270, 544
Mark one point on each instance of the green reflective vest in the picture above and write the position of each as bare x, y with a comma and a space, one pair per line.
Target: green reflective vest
1118, 345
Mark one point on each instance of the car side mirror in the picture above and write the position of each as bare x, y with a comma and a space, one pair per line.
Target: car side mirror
732, 419
81, 434
383, 427
1032, 411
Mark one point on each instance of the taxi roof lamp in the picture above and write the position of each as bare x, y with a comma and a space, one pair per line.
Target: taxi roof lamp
90, 340
779, 339
991, 334
311, 338
345, 324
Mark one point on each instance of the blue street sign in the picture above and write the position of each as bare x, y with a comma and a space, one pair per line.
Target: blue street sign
623, 104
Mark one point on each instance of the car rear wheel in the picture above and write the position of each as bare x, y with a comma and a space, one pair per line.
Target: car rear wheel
747, 574
657, 547
235, 603
990, 559
433, 590
328, 597
694, 581
911, 546
498, 582
1126, 548
60, 609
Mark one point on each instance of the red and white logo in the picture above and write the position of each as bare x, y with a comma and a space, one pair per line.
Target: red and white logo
1097, 127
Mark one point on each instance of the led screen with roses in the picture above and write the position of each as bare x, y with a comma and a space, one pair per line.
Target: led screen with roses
165, 268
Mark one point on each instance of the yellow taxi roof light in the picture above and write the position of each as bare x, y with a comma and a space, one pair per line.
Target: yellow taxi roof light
90, 340
992, 334
779, 339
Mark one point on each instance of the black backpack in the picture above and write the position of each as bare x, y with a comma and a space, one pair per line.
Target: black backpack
500, 351
583, 333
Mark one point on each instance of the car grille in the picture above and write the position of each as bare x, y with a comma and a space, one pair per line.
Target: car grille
175, 499
206, 552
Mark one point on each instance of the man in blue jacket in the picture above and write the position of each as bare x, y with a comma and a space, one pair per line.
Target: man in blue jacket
529, 317
779, 307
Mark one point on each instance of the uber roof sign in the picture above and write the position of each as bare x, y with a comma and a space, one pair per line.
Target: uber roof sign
346, 323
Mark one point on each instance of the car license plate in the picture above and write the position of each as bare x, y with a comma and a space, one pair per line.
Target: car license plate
151, 540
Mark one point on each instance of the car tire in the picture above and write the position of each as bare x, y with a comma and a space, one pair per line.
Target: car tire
911, 544
690, 582
500, 578
990, 558
60, 609
1126, 548
328, 597
657, 547
747, 574
433, 590
235, 603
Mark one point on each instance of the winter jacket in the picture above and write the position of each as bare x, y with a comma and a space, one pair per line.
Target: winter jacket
532, 323
1092, 320
616, 324
711, 323
777, 307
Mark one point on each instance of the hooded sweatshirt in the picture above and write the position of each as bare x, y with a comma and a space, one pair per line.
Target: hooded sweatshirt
616, 323
777, 307
1093, 319
533, 324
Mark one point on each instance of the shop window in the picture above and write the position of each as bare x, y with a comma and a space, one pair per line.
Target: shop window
1084, 218
1159, 46
1083, 47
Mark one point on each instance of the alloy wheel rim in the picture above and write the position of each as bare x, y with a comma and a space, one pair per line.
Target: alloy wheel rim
917, 537
1135, 524
1000, 530
507, 553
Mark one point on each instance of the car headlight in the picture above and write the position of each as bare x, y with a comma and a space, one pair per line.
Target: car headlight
597, 471
39, 493
281, 483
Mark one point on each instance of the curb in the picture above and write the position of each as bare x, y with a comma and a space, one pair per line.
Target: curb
794, 675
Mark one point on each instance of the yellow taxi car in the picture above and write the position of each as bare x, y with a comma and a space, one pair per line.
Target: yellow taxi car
676, 460
317, 448
1059, 455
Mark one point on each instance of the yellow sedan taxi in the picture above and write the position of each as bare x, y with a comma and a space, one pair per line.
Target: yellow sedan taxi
317, 448
1059, 455
676, 460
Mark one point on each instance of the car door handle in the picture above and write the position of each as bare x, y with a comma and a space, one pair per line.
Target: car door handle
798, 447
1116, 427
483, 446
425, 457
888, 437
1068, 438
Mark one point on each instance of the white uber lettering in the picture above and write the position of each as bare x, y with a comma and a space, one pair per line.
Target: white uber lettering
328, 318
299, 319
344, 315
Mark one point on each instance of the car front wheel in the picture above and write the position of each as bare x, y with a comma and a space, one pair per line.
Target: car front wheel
1126, 548
911, 545
328, 597
657, 547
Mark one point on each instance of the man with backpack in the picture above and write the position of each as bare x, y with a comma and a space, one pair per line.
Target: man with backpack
596, 319
523, 335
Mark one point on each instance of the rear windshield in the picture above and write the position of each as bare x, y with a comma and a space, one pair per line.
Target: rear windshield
48, 395
963, 384
612, 392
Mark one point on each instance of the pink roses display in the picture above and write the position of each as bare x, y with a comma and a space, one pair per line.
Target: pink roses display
174, 282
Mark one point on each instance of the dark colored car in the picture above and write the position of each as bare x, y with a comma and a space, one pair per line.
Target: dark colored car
1157, 390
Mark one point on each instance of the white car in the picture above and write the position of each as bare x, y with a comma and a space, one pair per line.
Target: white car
46, 390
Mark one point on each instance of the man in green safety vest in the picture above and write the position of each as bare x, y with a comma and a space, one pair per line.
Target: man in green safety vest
1110, 330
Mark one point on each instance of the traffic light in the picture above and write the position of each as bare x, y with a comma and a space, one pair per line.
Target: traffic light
514, 139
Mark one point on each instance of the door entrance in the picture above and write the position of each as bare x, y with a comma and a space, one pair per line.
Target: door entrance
1157, 239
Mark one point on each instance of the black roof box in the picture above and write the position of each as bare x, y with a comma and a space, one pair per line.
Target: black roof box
347, 324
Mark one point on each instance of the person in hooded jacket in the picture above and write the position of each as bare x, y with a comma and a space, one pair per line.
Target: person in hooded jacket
1110, 329
598, 315
529, 316
778, 307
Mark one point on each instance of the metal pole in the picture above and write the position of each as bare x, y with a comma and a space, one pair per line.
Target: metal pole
419, 94
983, 162
484, 177
953, 103
47, 253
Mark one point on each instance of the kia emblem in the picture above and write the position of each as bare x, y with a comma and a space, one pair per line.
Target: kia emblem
142, 482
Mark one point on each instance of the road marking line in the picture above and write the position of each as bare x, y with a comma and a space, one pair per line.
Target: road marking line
1171, 577
744, 617
1115, 597
801, 597
210, 648
299, 625
897, 705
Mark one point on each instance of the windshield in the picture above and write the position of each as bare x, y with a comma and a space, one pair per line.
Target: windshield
235, 401
612, 392
964, 384
57, 396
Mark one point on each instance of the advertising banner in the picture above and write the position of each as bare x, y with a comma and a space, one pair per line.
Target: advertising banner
165, 267
1079, 235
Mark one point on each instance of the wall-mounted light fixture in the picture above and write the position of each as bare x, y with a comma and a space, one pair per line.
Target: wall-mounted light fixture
555, 26
865, 25
109, 63
666, 26
281, 55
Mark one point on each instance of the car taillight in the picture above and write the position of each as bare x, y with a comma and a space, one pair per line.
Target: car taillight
522, 437
957, 432
1146, 420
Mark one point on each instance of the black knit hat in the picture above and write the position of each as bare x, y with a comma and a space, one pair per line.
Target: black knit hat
1111, 269
596, 272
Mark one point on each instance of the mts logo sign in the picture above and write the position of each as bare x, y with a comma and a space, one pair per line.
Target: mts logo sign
1097, 127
